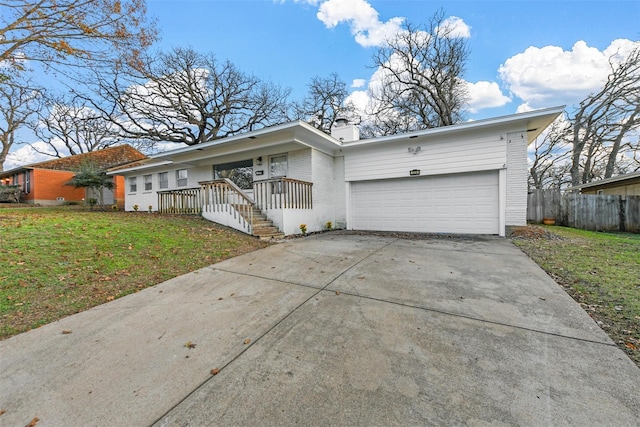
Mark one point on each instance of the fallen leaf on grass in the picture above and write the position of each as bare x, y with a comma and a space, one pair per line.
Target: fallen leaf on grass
631, 346
215, 371
111, 298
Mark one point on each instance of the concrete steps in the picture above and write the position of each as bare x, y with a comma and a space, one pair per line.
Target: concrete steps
263, 228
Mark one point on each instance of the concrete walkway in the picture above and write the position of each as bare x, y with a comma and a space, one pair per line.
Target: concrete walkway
330, 330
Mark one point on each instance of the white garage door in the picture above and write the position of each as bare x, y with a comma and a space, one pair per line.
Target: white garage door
460, 203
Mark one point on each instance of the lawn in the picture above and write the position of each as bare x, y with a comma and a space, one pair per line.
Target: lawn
601, 271
58, 261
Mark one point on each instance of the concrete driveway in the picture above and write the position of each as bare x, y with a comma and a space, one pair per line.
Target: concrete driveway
330, 330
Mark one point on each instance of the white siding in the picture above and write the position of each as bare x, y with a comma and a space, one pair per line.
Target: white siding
516, 191
442, 156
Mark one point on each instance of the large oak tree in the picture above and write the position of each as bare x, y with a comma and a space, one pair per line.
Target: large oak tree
419, 78
183, 96
64, 32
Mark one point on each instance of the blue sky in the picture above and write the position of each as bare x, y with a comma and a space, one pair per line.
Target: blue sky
524, 54
286, 41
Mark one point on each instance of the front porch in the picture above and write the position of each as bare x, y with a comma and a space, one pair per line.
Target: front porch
273, 208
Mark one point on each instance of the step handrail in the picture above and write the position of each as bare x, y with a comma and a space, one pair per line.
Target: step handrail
217, 196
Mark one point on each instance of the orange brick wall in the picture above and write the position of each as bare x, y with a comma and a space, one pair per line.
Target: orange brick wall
48, 185
118, 191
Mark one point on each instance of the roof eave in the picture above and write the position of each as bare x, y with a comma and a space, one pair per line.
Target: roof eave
537, 121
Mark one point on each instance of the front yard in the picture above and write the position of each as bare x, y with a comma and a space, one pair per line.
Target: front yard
601, 271
59, 261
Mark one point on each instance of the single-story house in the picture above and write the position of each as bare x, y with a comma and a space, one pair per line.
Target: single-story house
44, 183
621, 185
465, 178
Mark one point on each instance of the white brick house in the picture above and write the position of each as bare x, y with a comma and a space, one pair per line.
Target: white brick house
466, 178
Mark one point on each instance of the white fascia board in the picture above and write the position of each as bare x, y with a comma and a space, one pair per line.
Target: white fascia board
141, 167
318, 138
549, 113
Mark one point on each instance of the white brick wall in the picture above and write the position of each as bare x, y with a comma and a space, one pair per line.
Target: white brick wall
516, 206
299, 164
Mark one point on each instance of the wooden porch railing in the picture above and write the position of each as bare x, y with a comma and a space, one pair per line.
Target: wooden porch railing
184, 201
222, 195
283, 193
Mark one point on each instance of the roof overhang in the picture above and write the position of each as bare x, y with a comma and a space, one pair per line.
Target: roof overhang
533, 122
607, 182
286, 137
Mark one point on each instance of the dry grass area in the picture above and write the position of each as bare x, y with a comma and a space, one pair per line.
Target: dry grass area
60, 261
601, 271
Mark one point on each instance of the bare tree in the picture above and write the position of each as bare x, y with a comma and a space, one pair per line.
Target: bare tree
57, 32
604, 120
550, 157
420, 72
325, 102
19, 102
68, 127
187, 97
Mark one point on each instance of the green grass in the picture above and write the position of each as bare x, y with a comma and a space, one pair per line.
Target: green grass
58, 261
601, 271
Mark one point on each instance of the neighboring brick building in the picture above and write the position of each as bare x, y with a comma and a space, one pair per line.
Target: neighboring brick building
44, 183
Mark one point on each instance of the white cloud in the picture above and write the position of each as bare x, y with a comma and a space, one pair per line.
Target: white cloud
360, 99
456, 27
26, 154
364, 20
485, 94
357, 83
547, 76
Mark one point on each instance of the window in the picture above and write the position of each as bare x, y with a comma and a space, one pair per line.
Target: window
278, 165
133, 184
163, 179
148, 186
27, 182
181, 178
240, 173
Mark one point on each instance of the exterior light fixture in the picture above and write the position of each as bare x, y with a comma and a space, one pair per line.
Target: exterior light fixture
414, 150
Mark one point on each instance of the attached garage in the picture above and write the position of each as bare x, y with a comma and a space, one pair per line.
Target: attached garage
455, 203
469, 178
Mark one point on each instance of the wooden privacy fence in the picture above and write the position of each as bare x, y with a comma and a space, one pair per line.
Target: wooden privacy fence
585, 211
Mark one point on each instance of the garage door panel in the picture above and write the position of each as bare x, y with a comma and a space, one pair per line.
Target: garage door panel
460, 203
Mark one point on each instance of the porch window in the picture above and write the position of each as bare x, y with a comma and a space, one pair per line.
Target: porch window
181, 178
163, 179
133, 184
240, 173
278, 165
148, 186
